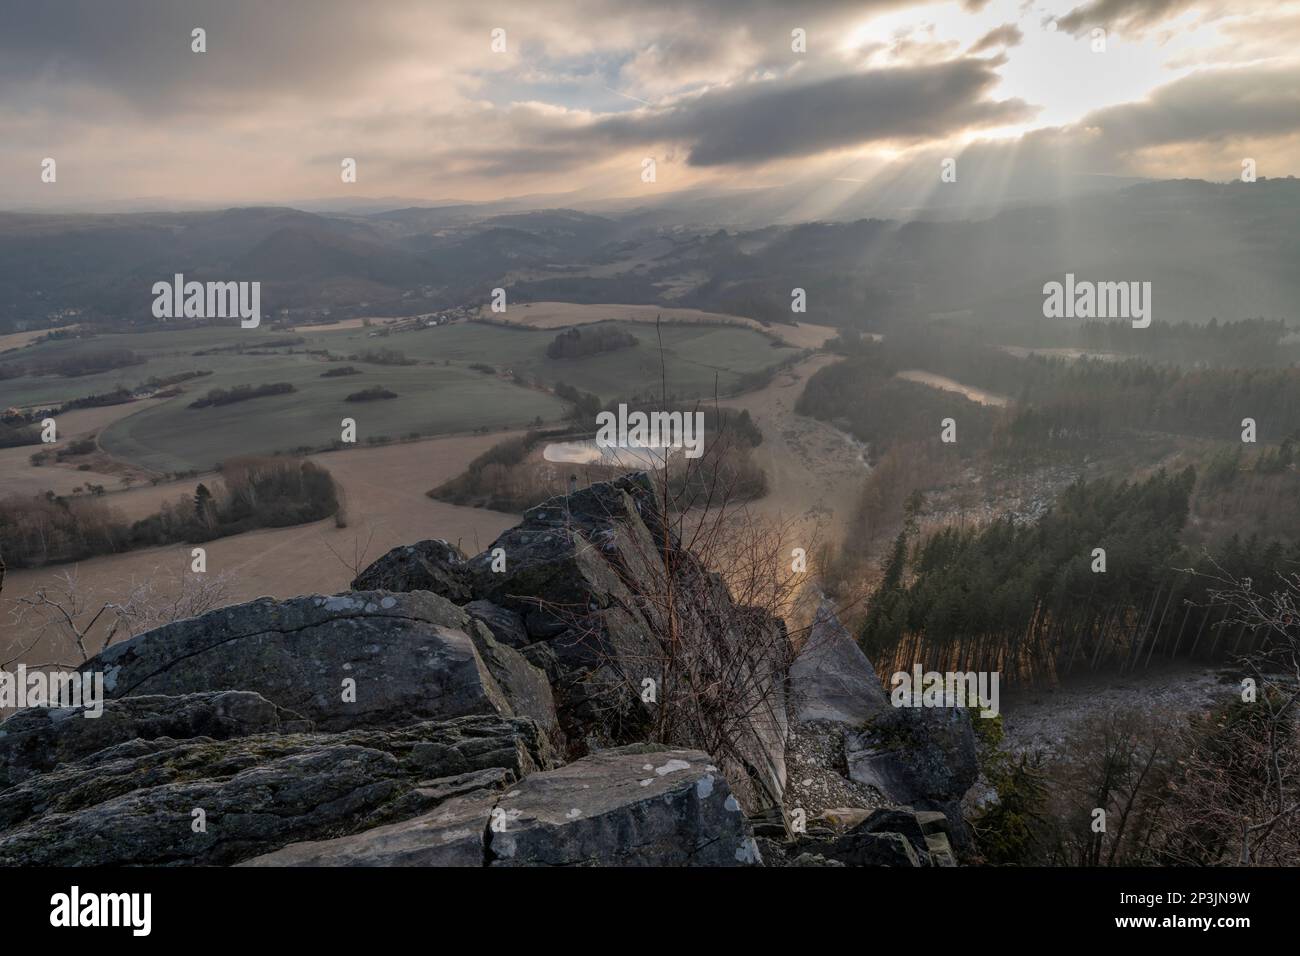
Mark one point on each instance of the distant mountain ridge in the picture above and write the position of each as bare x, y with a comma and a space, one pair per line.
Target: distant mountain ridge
1210, 250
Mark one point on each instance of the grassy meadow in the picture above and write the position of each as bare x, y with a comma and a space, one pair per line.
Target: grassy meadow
442, 393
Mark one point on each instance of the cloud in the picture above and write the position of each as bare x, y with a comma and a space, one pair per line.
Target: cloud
412, 91
1210, 105
1122, 16
1202, 125
788, 118
1004, 36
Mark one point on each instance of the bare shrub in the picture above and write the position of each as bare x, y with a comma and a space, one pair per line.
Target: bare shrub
72, 624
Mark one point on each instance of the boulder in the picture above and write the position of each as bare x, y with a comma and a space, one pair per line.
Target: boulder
409, 655
134, 803
631, 806
587, 575
452, 834
831, 679
921, 757
939, 850
506, 625
431, 565
860, 847
524, 686
38, 739
896, 820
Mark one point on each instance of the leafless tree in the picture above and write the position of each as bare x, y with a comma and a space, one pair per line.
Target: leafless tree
73, 625
1238, 798
65, 615
357, 562
165, 597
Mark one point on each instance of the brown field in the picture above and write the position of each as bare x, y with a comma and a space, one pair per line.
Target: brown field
560, 315
18, 477
384, 488
814, 473
16, 340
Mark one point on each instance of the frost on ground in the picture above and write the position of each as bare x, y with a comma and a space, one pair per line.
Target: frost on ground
1041, 720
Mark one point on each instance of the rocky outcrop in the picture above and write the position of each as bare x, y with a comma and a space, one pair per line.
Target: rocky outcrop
832, 679
433, 565
632, 806
452, 834
135, 803
486, 711
586, 587
922, 757
364, 659
38, 739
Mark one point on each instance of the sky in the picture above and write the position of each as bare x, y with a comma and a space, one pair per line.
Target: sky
576, 97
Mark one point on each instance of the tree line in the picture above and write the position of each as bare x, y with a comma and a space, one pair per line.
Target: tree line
254, 492
1102, 579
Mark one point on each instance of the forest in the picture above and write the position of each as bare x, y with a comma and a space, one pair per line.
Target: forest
1103, 579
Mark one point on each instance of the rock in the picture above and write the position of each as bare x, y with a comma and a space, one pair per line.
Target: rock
506, 625
896, 820
409, 655
932, 821
813, 859
921, 757
525, 687
432, 565
831, 679
133, 804
770, 823
863, 848
452, 834
843, 818
38, 739
632, 806
587, 574
939, 850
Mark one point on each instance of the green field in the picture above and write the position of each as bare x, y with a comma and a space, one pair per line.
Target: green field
439, 395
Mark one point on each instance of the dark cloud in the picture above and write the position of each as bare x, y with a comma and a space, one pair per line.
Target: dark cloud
1122, 16
139, 50
784, 118
1255, 102
1004, 36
